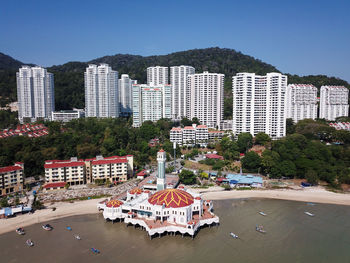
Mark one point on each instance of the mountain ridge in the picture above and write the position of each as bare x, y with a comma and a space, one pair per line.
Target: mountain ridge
69, 78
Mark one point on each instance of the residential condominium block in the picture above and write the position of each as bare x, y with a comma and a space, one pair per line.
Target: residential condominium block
151, 103
101, 92
157, 75
206, 98
35, 94
181, 93
259, 104
334, 102
301, 102
69, 171
114, 169
11, 179
125, 94
190, 135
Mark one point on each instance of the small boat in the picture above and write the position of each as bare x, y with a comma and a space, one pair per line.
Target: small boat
47, 227
233, 235
69, 228
260, 229
30, 243
309, 214
309, 203
20, 231
77, 237
262, 213
95, 251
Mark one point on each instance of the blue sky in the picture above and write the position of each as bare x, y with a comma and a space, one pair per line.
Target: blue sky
298, 37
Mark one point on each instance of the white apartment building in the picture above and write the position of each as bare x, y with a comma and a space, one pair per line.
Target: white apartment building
259, 104
157, 75
301, 102
101, 92
190, 135
206, 98
125, 94
11, 179
115, 168
151, 103
181, 93
176, 135
67, 115
69, 171
334, 102
35, 94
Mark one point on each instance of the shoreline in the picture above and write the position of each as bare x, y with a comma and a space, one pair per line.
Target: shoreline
64, 209
312, 194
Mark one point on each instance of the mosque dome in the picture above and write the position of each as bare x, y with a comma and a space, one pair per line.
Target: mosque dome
171, 198
135, 191
114, 203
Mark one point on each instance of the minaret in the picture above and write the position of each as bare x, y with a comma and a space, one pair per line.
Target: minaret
161, 158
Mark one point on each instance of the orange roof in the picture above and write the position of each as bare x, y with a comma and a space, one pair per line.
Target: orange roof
161, 150
171, 198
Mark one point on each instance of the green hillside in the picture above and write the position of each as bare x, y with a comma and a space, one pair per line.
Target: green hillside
69, 77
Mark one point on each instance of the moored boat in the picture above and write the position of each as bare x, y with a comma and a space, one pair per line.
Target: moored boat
47, 227
309, 214
77, 237
95, 251
262, 213
233, 235
30, 243
69, 228
260, 229
20, 231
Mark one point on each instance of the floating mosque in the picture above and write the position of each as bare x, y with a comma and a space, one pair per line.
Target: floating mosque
164, 211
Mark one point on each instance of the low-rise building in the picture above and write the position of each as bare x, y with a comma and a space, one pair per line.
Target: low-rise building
67, 171
176, 135
114, 169
11, 178
67, 115
215, 135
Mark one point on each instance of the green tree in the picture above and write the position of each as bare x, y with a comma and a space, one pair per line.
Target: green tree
311, 177
244, 142
262, 138
290, 127
251, 161
187, 177
4, 202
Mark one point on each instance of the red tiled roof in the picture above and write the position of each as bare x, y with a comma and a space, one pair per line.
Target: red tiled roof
10, 168
214, 156
188, 128
60, 164
202, 126
54, 185
161, 150
142, 173
109, 161
171, 198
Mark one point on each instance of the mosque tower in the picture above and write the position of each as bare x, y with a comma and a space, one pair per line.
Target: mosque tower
161, 158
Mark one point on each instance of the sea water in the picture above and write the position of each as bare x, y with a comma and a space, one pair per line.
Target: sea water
291, 236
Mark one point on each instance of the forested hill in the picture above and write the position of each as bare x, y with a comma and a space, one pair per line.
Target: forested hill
69, 78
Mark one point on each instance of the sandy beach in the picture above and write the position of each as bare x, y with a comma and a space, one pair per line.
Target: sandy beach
64, 209
312, 194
